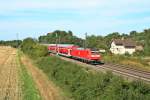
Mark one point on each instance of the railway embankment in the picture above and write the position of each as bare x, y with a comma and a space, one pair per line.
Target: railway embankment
85, 84
136, 62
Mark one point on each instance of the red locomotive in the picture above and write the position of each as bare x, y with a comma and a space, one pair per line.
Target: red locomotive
72, 51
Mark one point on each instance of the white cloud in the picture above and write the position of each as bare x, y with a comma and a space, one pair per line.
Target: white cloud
104, 7
93, 16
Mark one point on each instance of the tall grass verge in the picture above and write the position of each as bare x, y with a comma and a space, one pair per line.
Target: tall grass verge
29, 91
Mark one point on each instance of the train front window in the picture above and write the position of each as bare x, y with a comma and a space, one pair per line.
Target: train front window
95, 52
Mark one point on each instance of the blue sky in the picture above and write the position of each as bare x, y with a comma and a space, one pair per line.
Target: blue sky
31, 18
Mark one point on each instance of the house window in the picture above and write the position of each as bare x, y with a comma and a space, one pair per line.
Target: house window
117, 49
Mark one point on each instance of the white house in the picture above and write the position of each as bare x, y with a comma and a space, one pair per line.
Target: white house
122, 46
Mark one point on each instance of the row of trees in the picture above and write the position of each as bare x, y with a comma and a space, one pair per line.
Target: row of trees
141, 38
13, 43
29, 46
92, 41
61, 37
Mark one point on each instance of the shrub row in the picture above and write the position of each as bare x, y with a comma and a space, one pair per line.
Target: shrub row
84, 84
33, 49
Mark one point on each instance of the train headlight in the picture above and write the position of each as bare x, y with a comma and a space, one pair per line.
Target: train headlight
95, 56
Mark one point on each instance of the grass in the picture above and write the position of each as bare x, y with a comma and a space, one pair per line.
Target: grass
82, 84
29, 90
135, 62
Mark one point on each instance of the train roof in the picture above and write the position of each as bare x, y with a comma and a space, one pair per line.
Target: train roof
81, 48
61, 45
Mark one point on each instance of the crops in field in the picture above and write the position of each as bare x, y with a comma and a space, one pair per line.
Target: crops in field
84, 84
9, 79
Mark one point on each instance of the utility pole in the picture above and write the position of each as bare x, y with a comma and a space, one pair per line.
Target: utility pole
59, 39
56, 43
85, 44
17, 35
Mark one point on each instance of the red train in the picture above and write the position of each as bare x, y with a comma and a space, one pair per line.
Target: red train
72, 51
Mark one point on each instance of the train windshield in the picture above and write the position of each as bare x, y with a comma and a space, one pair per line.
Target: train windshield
95, 52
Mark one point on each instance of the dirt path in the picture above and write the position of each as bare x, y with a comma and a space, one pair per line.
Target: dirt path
46, 88
9, 81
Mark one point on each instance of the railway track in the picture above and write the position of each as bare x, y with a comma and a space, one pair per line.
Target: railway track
125, 71
127, 67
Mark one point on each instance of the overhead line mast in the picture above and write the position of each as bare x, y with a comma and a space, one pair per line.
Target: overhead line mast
56, 42
85, 44
17, 36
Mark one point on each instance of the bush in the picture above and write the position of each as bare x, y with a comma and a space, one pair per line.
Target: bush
33, 49
83, 84
127, 54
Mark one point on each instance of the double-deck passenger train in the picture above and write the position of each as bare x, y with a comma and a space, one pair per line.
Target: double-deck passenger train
75, 52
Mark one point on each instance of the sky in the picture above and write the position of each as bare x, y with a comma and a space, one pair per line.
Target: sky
32, 18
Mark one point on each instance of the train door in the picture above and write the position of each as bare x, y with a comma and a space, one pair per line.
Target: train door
69, 52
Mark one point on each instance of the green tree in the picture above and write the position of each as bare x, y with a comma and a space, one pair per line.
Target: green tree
13, 43
147, 42
33, 49
61, 37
